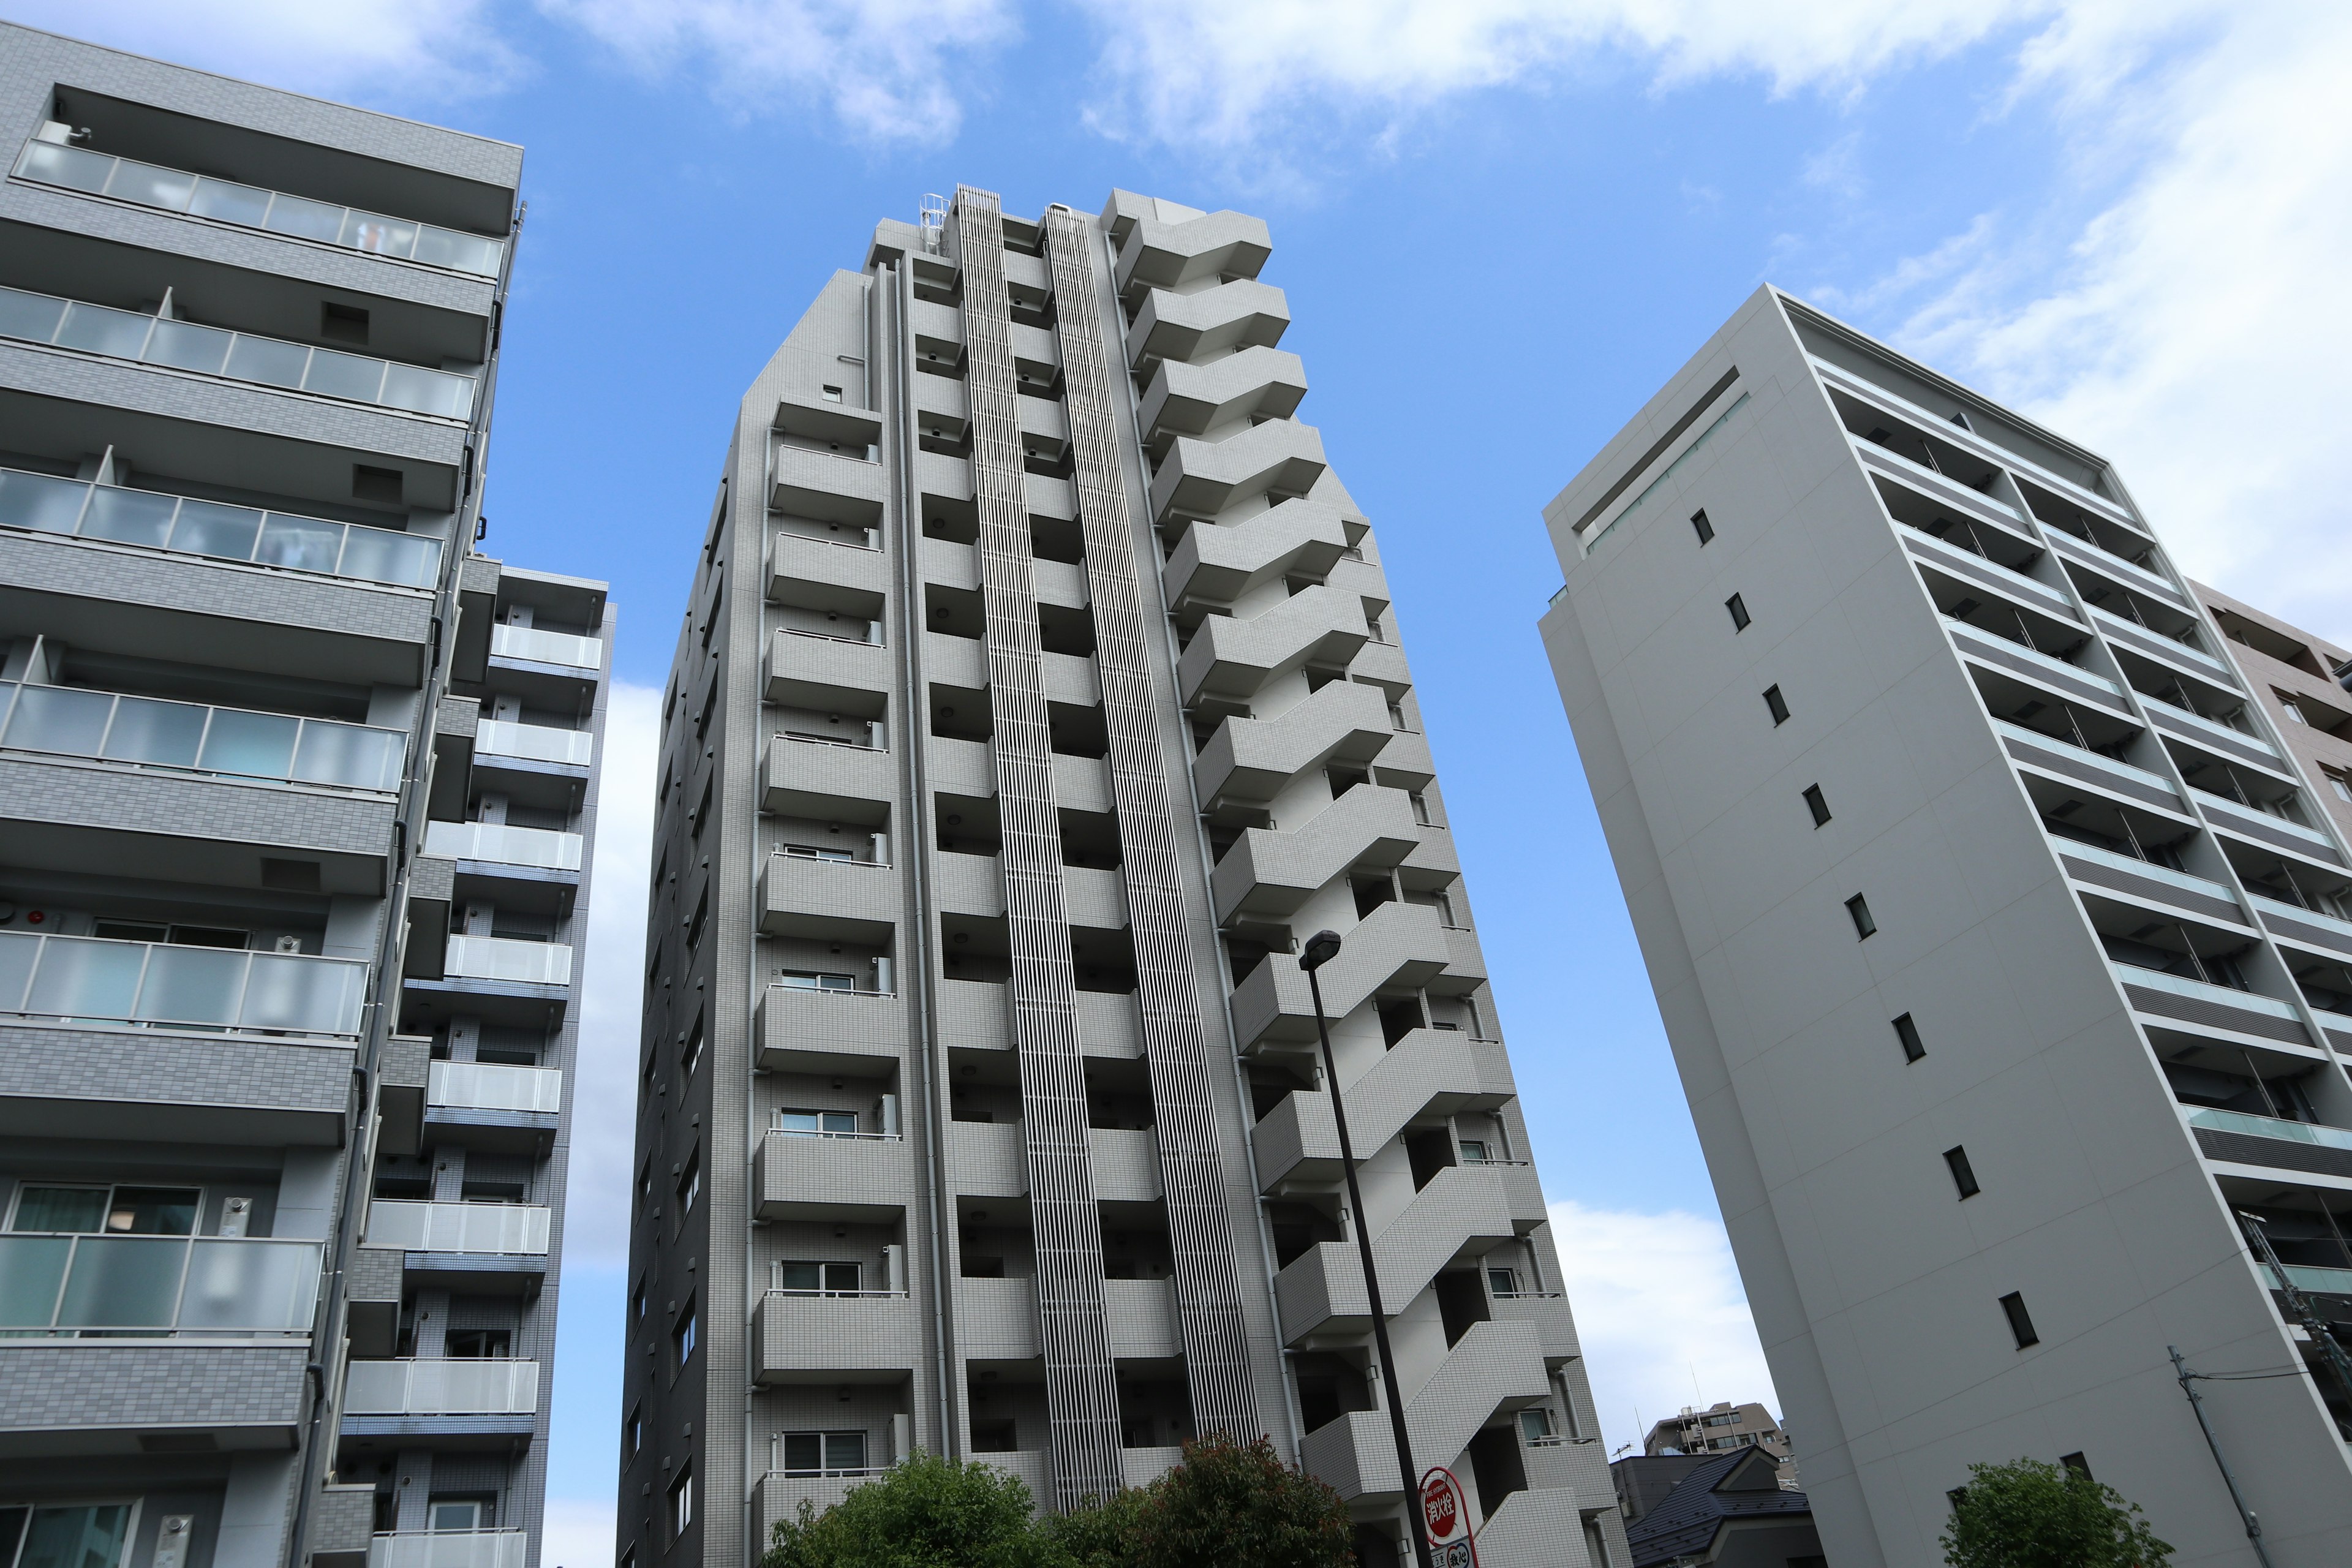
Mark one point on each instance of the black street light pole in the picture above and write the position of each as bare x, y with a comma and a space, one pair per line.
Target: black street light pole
1321, 948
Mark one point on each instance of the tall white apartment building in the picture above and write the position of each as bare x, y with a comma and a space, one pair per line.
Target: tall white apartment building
1039, 694
2001, 945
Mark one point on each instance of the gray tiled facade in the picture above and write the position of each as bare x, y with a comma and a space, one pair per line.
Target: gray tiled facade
1038, 694
1999, 937
293, 841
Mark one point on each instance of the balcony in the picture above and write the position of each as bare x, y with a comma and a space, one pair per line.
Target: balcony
498, 844
250, 206
841, 777
2105, 871
449, 1549
2239, 1138
59, 1401
493, 1105
143, 984
827, 899
1397, 945
1141, 1314
2100, 559
834, 1337
2175, 1002
2276, 832
1427, 1070
1465, 1211
235, 356
2291, 922
2016, 659
531, 645
859, 1177
278, 541
2313, 1281
73, 1285
1270, 873
855, 1033
189, 737
455, 1403
510, 961
1984, 572
488, 1229
2080, 765
534, 743
2214, 736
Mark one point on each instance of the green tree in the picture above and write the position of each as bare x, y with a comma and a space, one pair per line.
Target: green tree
1237, 1505
2029, 1514
926, 1512
1100, 1532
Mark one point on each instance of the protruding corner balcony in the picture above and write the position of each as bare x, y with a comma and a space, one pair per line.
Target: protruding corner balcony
827, 898
1242, 314
76, 1286
402, 1069
472, 1247
1249, 761
1401, 946
504, 979
1269, 873
859, 1177
89, 981
1159, 254
827, 673
534, 854
843, 773
1187, 399
1217, 562
1492, 1369
1547, 1314
452, 1403
1230, 657
1198, 479
829, 1029
448, 1548
562, 651
493, 1105
833, 1337
1463, 1212
500, 742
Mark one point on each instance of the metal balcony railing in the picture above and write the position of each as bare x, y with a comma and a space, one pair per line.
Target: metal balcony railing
417, 1227
507, 959
151, 732
449, 1549
147, 1285
2083, 755
42, 503
2273, 1127
2202, 991
494, 1086
2262, 823
250, 207
2205, 887
534, 743
239, 356
538, 646
159, 985
498, 842
2011, 646
450, 1386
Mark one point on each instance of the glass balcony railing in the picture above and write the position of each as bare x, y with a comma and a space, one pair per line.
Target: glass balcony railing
2187, 881
496, 841
417, 1227
450, 1549
2212, 726
239, 356
1969, 634
2342, 927
507, 958
83, 1286
455, 1385
250, 207
44, 504
2286, 1131
546, 648
2313, 1281
84, 979
2198, 990
2085, 757
494, 1086
535, 743
2229, 811
149, 731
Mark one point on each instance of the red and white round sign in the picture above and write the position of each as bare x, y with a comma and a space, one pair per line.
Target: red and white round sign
1442, 1506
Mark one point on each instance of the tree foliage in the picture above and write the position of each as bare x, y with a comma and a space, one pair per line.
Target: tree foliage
926, 1513
1237, 1505
2029, 1514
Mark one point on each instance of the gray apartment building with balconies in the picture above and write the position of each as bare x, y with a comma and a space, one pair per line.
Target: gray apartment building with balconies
296, 790
1039, 692
2001, 945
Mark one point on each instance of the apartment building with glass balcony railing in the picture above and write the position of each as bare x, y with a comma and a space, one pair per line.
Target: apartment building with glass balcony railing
1039, 692
1997, 911
295, 791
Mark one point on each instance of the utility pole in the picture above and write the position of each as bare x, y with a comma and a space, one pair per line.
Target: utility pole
2197, 1404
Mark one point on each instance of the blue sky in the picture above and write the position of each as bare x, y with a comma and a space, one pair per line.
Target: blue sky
1501, 223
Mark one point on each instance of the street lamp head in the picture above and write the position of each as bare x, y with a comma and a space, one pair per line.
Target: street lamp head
1320, 949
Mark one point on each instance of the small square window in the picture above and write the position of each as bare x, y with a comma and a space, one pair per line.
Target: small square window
2288, 706
1864, 928
833, 395
1908, 1033
1776, 705
2075, 1463
1705, 529
2341, 786
1740, 615
1535, 1424
2019, 1324
1817, 804
1964, 1175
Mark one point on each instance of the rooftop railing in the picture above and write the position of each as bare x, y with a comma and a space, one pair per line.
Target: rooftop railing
45, 504
455, 1385
83, 979
507, 958
154, 732
417, 1227
534, 743
449, 1549
504, 844
250, 207
537, 647
239, 356
146, 1286
494, 1086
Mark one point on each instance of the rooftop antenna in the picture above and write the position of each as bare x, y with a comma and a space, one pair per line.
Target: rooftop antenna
933, 217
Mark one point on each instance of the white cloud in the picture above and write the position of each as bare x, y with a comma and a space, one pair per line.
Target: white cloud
579, 1533
883, 67
604, 1093
366, 51
1661, 1315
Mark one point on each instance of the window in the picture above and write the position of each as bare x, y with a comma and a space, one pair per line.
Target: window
689, 1056
1503, 1281
114, 1211
689, 1188
479, 1344
1421, 806
702, 811
2288, 706
1705, 529
69, 1535
2021, 1325
833, 395
819, 1453
2341, 786
817, 1123
457, 1513
1908, 1033
1864, 928
2076, 1463
1816, 802
681, 1503
633, 1434
1474, 1150
1740, 615
1964, 1177
1535, 1426
681, 1340
815, 1279
640, 1299
694, 923
814, 852
1776, 705
803, 980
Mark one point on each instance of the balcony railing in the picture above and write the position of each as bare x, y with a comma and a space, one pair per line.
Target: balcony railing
250, 207
2083, 755
505, 845
150, 733
494, 1086
1995, 641
239, 356
811, 738
2198, 990
45, 504
2342, 927
2103, 559
2273, 1127
2313, 1281
416, 1226
450, 1549
451, 1386
2261, 821
2228, 731
2204, 887
146, 1286
534, 743
537, 647
506, 958
149, 985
